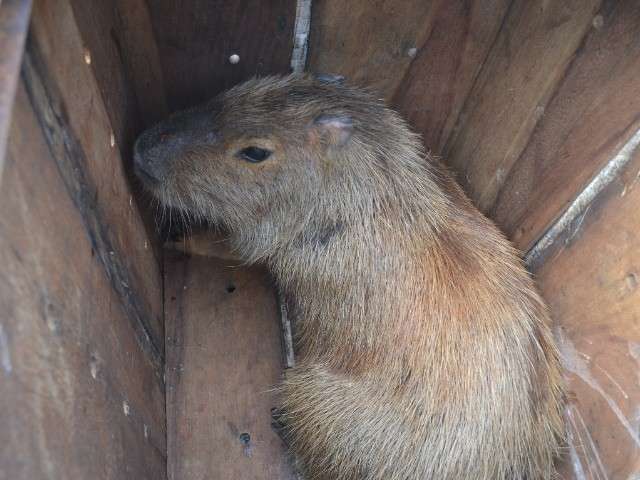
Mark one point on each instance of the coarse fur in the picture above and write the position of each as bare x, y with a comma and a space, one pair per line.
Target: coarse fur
424, 351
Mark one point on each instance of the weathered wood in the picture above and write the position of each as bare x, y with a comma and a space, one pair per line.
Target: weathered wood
591, 282
14, 20
593, 112
196, 38
531, 53
70, 108
118, 38
223, 359
438, 80
118, 35
369, 42
79, 399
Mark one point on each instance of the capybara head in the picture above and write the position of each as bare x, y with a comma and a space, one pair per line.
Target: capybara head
271, 155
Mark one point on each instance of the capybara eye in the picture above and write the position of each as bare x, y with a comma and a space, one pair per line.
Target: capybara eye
254, 154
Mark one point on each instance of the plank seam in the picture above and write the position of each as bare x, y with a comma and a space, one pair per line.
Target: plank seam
70, 159
301, 36
580, 205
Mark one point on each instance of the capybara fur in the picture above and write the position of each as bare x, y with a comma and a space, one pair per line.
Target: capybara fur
424, 351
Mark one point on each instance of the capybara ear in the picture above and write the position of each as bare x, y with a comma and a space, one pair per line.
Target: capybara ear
330, 78
334, 129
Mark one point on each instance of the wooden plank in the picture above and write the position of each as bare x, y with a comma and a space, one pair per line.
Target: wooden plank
196, 38
119, 37
79, 132
223, 358
14, 20
531, 53
440, 77
591, 281
78, 396
369, 42
593, 112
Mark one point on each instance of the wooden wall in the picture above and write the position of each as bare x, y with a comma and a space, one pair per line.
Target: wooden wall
527, 101
81, 331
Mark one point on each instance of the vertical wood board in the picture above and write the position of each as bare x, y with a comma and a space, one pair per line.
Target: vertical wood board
79, 398
223, 360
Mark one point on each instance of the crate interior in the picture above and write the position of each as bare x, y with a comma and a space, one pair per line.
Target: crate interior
119, 359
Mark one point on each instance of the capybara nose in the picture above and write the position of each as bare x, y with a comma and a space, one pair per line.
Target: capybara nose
150, 165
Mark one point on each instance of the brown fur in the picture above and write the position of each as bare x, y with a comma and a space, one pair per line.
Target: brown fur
425, 351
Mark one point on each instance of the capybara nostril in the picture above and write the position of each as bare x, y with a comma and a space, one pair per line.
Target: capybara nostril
147, 166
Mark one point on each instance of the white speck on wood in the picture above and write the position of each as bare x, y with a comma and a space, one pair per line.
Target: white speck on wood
301, 36
5, 354
87, 57
126, 408
582, 202
234, 59
598, 22
93, 368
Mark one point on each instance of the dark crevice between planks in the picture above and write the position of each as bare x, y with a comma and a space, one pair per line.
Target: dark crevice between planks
126, 67
71, 162
565, 228
472, 85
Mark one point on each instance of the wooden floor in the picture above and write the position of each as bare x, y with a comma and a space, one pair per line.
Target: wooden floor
223, 358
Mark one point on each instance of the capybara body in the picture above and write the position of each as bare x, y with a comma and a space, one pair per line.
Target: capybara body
423, 349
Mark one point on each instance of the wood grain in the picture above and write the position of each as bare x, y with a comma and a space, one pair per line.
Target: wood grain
531, 53
14, 21
196, 38
370, 42
119, 37
78, 397
223, 359
591, 281
593, 112
440, 77
70, 107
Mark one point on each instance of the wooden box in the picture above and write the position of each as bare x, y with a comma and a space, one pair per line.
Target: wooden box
119, 360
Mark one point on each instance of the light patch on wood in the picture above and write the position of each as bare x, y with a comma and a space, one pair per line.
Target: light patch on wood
572, 216
287, 337
572, 362
301, 36
5, 354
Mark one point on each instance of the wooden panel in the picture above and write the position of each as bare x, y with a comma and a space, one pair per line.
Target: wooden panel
529, 58
119, 37
593, 112
591, 282
223, 357
78, 396
371, 42
438, 80
80, 134
14, 19
195, 39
